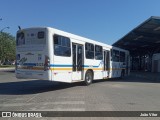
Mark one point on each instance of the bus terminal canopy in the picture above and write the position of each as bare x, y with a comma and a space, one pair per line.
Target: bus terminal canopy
144, 39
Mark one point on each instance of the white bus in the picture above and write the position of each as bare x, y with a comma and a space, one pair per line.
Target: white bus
50, 54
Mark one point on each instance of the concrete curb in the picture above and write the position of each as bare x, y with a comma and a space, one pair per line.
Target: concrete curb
12, 69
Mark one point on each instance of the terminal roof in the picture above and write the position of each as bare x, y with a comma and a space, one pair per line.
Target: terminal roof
142, 39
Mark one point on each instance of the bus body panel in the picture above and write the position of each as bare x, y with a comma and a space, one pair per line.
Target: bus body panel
36, 58
61, 69
30, 54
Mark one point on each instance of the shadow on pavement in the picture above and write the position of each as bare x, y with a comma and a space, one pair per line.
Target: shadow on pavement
127, 79
33, 87
39, 86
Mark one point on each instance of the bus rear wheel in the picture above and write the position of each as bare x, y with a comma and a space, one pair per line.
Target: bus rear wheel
88, 77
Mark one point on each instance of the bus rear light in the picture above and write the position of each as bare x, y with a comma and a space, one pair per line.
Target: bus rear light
46, 63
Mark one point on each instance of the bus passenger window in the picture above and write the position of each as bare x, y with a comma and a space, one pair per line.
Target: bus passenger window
62, 46
115, 55
122, 56
98, 52
89, 48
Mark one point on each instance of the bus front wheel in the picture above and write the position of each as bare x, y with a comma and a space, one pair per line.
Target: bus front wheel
88, 77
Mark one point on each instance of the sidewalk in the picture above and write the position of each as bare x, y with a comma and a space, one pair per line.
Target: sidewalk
7, 69
155, 77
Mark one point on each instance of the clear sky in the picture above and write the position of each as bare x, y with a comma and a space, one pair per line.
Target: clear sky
103, 20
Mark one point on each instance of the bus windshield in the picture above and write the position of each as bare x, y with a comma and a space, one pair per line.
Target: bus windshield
30, 38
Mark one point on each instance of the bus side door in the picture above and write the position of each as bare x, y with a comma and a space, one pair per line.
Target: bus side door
77, 61
106, 67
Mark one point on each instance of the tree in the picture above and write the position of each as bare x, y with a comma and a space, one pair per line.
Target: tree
7, 47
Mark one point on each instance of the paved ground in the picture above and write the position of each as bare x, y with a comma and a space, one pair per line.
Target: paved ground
129, 94
155, 77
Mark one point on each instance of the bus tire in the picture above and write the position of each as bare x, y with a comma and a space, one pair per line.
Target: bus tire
88, 77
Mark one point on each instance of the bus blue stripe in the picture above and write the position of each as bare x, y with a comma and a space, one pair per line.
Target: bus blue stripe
53, 65
29, 64
59, 65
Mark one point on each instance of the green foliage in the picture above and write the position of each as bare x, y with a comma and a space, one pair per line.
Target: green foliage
7, 66
7, 47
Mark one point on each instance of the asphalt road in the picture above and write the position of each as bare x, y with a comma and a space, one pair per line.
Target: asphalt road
129, 94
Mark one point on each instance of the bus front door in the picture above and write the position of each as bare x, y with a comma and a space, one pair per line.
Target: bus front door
106, 68
77, 61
